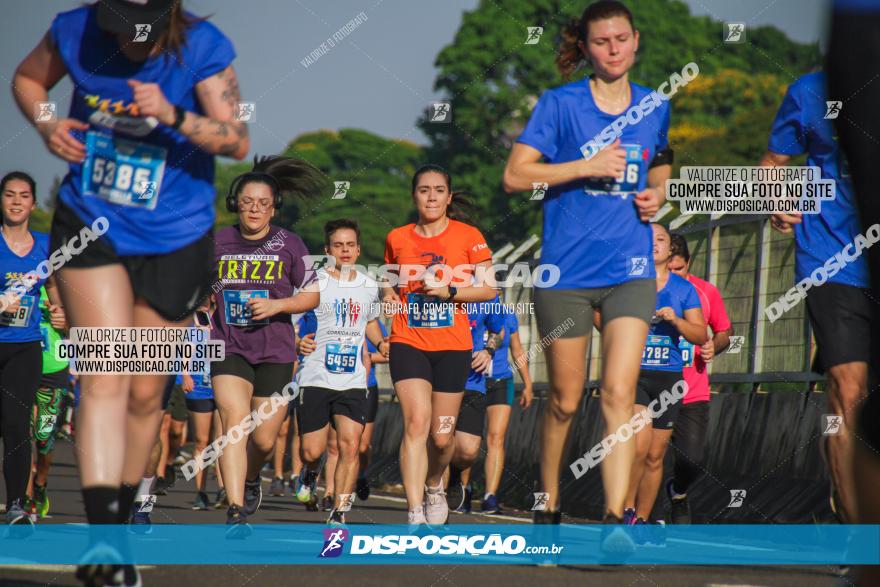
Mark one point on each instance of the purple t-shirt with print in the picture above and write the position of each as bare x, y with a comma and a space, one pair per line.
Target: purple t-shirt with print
270, 267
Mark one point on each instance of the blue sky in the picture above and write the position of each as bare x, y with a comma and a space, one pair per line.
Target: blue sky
379, 78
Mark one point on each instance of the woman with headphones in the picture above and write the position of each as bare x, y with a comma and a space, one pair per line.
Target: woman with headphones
260, 267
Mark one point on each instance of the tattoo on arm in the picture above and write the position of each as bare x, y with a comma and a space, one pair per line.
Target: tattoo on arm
212, 134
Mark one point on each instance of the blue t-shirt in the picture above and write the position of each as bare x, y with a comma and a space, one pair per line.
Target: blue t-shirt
481, 323
371, 377
595, 238
20, 276
857, 6
662, 352
800, 127
202, 388
155, 186
501, 363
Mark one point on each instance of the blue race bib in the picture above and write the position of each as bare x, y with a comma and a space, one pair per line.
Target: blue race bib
340, 357
687, 352
657, 349
625, 185
123, 172
21, 317
236, 309
426, 312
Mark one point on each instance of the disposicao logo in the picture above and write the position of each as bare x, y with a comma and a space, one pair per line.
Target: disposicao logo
334, 542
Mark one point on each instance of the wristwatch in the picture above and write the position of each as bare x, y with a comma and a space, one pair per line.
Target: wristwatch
179, 116
490, 350
453, 291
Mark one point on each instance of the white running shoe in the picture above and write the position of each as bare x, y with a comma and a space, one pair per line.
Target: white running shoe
436, 508
416, 517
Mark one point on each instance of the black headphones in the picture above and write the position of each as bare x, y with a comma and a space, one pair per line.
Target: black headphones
258, 176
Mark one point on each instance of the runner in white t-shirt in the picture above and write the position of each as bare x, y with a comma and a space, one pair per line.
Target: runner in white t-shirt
333, 378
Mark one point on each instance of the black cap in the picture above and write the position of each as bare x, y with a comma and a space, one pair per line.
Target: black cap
125, 16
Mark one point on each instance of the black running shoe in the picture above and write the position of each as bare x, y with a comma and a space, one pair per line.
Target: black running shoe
362, 489
545, 517
220, 499
680, 510
327, 503
236, 523
253, 496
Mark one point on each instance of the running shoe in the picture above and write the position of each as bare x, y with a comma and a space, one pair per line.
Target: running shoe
41, 498
362, 489
170, 476
201, 501
253, 496
336, 519
30, 506
416, 517
490, 505
629, 517
640, 531
140, 520
17, 514
106, 575
327, 503
680, 510
545, 517
657, 533
306, 486
461, 499
615, 541
236, 523
436, 508
276, 488
220, 499
161, 486
292, 483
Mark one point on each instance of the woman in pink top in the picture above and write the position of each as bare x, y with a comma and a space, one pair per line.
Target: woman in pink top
692, 424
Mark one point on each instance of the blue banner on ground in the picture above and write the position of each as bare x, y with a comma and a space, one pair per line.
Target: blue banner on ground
283, 544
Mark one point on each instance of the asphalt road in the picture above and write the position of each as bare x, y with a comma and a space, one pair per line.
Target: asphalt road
381, 508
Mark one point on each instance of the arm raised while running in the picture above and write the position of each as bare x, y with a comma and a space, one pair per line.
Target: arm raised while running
484, 290
305, 300
35, 76
692, 327
526, 168
217, 132
784, 223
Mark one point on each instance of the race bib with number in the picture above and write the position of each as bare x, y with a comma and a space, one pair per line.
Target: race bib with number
657, 350
236, 308
687, 352
340, 357
426, 312
22, 316
123, 172
627, 183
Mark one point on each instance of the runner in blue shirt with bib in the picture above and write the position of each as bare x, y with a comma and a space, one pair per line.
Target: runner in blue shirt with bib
23, 262
677, 324
596, 152
487, 328
150, 108
831, 260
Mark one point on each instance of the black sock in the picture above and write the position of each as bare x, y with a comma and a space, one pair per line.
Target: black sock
102, 504
127, 495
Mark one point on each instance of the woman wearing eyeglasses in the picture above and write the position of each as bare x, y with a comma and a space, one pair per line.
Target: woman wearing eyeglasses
260, 268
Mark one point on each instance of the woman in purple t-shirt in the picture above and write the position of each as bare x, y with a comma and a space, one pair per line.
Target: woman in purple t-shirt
260, 268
